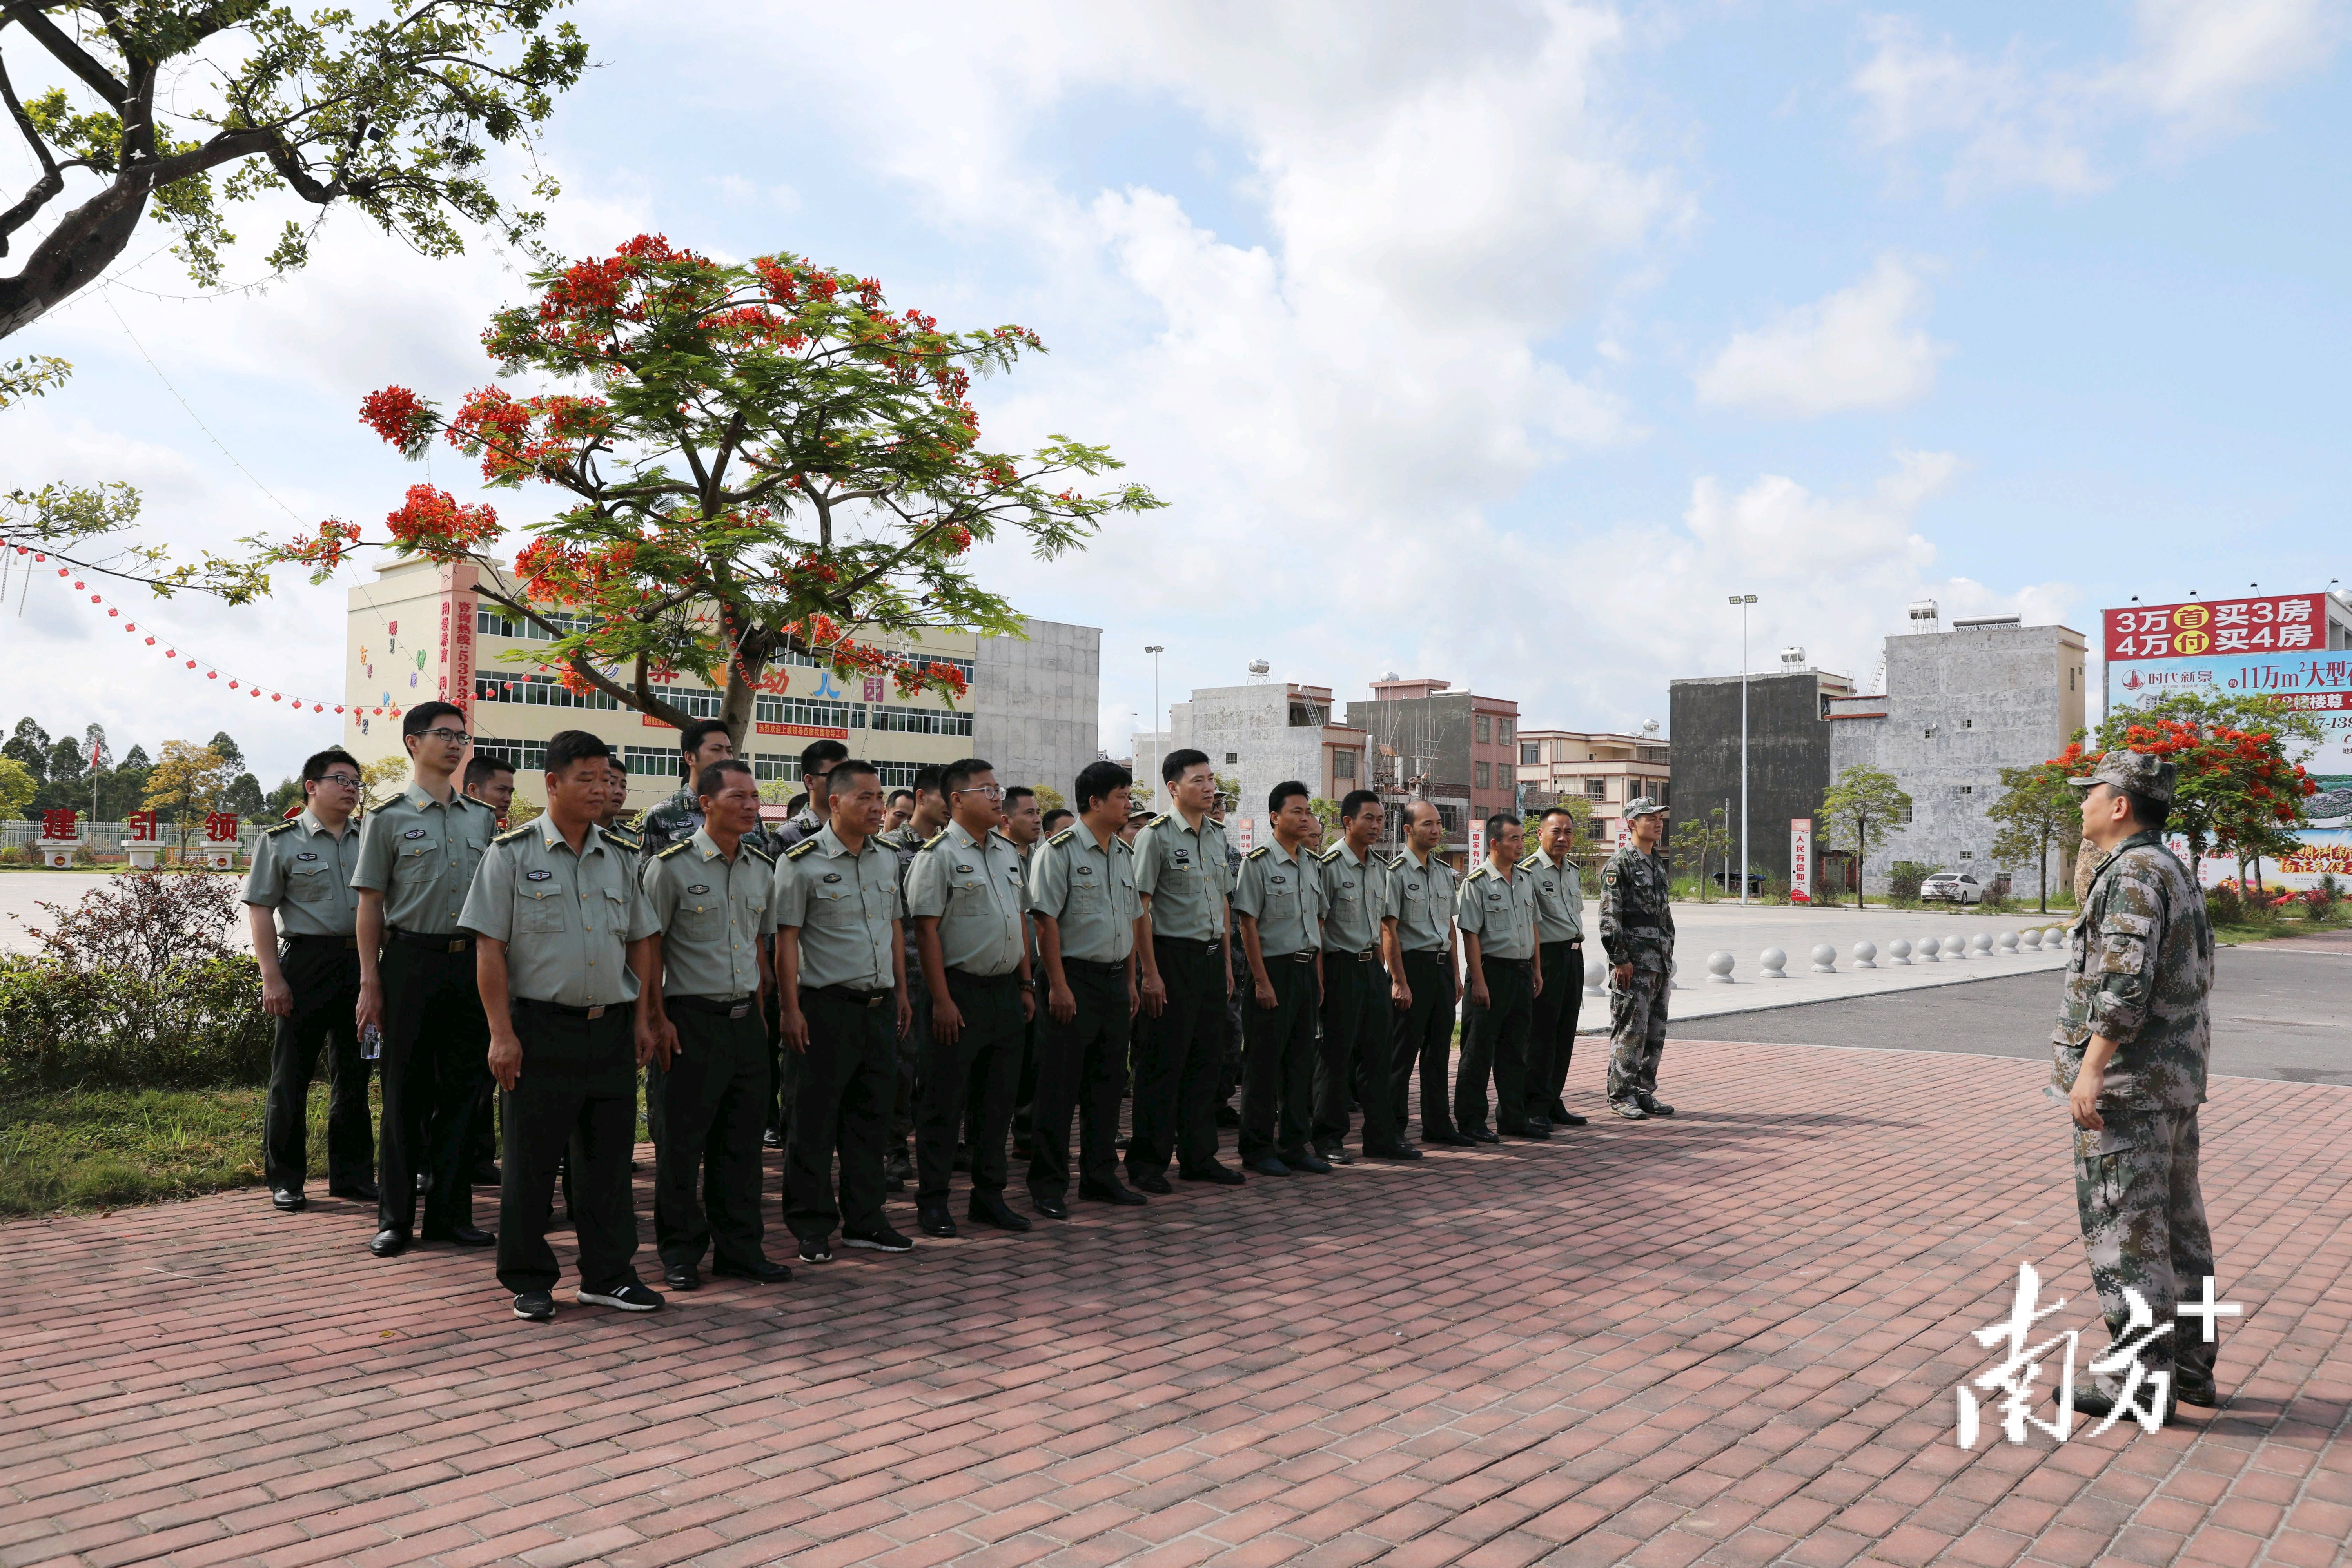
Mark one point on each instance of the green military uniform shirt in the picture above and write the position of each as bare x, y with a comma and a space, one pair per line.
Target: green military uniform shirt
1355, 894
843, 906
567, 919
1636, 925
1284, 893
422, 855
973, 886
1089, 890
2139, 966
304, 873
622, 836
714, 916
1559, 897
1499, 911
1183, 871
1421, 901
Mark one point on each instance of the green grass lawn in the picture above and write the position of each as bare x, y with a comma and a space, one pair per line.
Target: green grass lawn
101, 1149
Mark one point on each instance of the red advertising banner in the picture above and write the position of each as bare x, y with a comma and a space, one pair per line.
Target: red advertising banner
2279, 624
813, 731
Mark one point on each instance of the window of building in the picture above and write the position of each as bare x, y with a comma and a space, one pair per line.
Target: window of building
1968, 789
523, 756
766, 765
490, 623
1233, 758
536, 691
1450, 816
1658, 791
917, 720
1343, 766
1485, 730
697, 701
1530, 753
766, 710
1486, 779
897, 775
1596, 789
651, 761
1968, 854
1504, 729
1503, 778
1967, 723
1597, 830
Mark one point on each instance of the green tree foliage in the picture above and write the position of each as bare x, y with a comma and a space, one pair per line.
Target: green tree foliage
2039, 813
1693, 844
28, 746
1865, 807
186, 783
17, 787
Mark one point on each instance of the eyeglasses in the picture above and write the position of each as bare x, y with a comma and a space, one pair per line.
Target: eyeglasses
454, 737
346, 780
990, 792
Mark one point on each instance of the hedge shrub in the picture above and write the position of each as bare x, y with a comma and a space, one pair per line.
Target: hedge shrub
194, 1026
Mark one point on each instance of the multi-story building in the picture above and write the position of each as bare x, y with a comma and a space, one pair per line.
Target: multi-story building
1455, 748
421, 631
1602, 769
1787, 762
1259, 734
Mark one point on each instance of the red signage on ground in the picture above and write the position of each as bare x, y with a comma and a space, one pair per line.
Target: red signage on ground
2280, 623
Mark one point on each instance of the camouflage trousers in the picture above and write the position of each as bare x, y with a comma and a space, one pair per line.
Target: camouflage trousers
911, 1044
2143, 1226
1637, 1034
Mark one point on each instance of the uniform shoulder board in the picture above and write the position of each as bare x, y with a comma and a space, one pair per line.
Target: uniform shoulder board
286, 826
1064, 836
677, 848
1261, 849
1529, 864
936, 839
512, 833
1157, 820
1389, 862
1484, 870
804, 847
764, 858
1329, 855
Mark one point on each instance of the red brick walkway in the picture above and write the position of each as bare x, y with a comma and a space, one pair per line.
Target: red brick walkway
1729, 1338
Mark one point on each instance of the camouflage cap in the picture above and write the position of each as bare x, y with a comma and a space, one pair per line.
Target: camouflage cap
2136, 773
1642, 806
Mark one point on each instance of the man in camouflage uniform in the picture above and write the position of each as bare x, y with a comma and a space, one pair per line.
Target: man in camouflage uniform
2131, 1044
679, 817
1637, 929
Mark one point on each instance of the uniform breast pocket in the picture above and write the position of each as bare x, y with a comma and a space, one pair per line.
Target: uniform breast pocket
615, 910
700, 922
542, 913
831, 908
308, 886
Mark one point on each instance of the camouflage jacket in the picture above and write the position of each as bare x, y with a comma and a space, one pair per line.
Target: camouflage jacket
904, 842
2139, 964
678, 819
1637, 927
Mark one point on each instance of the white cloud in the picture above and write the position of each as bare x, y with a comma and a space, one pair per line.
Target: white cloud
2199, 62
1862, 347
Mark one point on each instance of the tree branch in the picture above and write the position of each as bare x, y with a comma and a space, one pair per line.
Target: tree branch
70, 55
44, 190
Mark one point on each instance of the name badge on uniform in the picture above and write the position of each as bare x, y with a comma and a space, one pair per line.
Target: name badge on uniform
832, 876
699, 887
1086, 870
1278, 880
540, 876
1550, 889
1347, 887
1183, 854
963, 870
307, 854
1413, 887
413, 832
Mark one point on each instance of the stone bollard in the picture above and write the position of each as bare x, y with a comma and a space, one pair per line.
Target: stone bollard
1595, 972
1981, 945
1925, 950
1898, 952
1824, 959
1673, 974
2008, 942
1718, 968
1954, 948
1865, 955
1775, 964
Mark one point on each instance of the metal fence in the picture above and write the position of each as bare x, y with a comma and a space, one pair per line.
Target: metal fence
109, 837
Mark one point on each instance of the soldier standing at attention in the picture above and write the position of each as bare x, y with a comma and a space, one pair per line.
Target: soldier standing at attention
1637, 928
926, 819
1278, 905
1354, 1049
1559, 958
1024, 824
817, 759
567, 974
964, 898
1082, 896
709, 894
2132, 1043
1186, 970
675, 820
1498, 921
489, 779
417, 856
842, 979
616, 802
1417, 933
310, 984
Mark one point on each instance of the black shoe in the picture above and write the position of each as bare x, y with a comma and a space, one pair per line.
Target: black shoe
759, 1272
2090, 1399
1445, 1138
1560, 1114
1569, 1118
1228, 1117
358, 1192
1397, 1151
462, 1235
1480, 1135
1120, 1142
1023, 1149
989, 1208
288, 1200
1267, 1166
881, 1238
2203, 1394
629, 1297
1630, 1110
932, 1219
1052, 1208
389, 1243
1656, 1107
1215, 1175
485, 1176
1111, 1192
1537, 1131
771, 1139
682, 1277
817, 1251
1336, 1155
1314, 1164
534, 1306
1151, 1181
897, 1172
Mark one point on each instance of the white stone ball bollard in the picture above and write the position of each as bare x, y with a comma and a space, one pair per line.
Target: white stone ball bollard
2009, 942
1898, 951
1595, 972
1926, 950
1824, 959
1980, 944
1673, 974
1956, 946
1775, 963
2055, 936
1720, 965
1865, 955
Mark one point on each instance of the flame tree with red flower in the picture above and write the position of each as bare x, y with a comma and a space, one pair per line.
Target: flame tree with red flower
2238, 792
751, 464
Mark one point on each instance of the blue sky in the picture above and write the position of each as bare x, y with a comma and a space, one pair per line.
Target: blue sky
1499, 346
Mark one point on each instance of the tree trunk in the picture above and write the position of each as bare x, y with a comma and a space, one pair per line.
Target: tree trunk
73, 255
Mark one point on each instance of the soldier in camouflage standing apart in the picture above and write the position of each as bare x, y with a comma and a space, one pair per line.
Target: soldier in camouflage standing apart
675, 820
926, 818
2131, 1044
1637, 928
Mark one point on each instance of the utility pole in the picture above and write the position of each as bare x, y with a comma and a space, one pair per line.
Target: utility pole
1159, 725
1743, 601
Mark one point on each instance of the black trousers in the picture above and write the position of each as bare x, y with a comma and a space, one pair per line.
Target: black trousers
436, 1048
578, 1089
1278, 1061
706, 1110
324, 972
983, 1064
1352, 1056
1178, 1056
1081, 1071
841, 1088
912, 1050
1495, 1045
1551, 1035
1424, 1033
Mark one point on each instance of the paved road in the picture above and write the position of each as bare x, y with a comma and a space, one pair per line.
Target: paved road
2277, 1012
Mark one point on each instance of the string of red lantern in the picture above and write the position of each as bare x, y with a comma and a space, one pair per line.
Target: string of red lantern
174, 655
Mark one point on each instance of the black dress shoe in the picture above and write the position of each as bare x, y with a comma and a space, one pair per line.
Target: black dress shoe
358, 1192
1215, 1175
989, 1208
1537, 1131
682, 1277
1112, 1192
1336, 1155
932, 1219
1447, 1139
389, 1243
1267, 1166
1314, 1164
462, 1235
1052, 1208
1480, 1135
1392, 1151
771, 1139
287, 1200
763, 1272
1560, 1113
1569, 1118
1151, 1181
1656, 1107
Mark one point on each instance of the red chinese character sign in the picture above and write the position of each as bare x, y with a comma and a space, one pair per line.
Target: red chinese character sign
2285, 623
220, 828
1801, 860
61, 825
144, 828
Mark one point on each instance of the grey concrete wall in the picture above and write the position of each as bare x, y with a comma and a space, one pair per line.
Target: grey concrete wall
1253, 724
1036, 703
1436, 726
1788, 757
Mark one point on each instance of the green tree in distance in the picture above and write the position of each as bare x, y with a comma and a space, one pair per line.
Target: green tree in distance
1866, 806
2039, 813
1694, 842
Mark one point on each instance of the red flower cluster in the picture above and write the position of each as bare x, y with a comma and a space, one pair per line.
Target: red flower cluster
330, 550
433, 523
400, 416
527, 437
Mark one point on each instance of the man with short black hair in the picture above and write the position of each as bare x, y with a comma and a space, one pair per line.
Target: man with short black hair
1278, 905
617, 804
1352, 1054
901, 807
491, 780
1497, 918
1637, 927
1055, 820
1559, 960
676, 819
1418, 935
1187, 968
302, 917
817, 760
417, 856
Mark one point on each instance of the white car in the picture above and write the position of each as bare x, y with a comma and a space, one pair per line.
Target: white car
1951, 888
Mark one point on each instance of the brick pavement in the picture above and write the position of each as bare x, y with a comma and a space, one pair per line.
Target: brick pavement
1729, 1338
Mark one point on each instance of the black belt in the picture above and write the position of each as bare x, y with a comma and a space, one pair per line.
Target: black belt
856, 998
1498, 958
564, 1009
728, 1006
1368, 955
307, 940
1095, 966
1304, 955
1010, 977
1430, 952
1208, 945
457, 942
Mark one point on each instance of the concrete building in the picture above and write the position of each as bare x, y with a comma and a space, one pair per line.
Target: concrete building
421, 631
1960, 706
1260, 734
1455, 748
1788, 752
1602, 769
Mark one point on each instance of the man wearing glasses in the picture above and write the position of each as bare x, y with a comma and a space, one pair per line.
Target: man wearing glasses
417, 855
299, 894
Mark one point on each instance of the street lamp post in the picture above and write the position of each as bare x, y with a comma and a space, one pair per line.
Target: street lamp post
1155, 650
1743, 601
